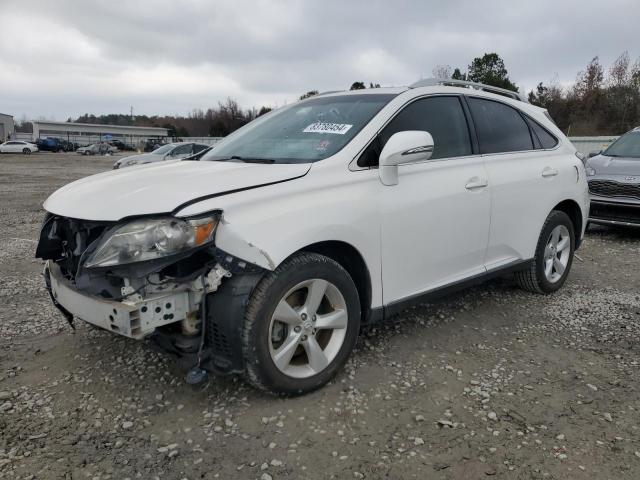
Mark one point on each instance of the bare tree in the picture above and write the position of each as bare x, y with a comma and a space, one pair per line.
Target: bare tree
619, 73
442, 72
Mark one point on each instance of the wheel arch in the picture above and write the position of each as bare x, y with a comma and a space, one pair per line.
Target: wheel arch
573, 211
353, 262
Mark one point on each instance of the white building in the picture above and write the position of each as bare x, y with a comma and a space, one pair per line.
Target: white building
7, 127
85, 133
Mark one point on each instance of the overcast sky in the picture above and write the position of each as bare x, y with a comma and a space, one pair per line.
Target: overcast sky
64, 58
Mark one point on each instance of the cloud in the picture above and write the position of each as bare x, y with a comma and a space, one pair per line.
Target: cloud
65, 58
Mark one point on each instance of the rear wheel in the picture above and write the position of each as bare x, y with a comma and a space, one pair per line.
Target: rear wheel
26, 151
301, 324
553, 258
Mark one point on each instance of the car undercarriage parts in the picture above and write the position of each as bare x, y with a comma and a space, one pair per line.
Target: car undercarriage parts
190, 304
135, 317
197, 374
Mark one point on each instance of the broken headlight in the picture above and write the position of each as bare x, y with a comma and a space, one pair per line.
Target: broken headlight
149, 239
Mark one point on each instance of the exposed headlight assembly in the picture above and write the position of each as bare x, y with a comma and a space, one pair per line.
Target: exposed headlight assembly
150, 239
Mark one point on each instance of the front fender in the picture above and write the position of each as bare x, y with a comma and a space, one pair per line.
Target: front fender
266, 225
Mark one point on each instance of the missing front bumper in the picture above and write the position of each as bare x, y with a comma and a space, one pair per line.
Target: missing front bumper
131, 318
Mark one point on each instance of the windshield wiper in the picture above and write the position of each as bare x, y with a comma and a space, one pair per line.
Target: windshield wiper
251, 160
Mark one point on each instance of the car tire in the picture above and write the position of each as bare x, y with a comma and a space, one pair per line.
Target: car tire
86, 152
553, 257
26, 151
276, 325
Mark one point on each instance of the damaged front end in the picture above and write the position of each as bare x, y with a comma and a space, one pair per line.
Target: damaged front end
149, 277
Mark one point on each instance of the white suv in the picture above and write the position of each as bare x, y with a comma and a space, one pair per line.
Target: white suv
315, 220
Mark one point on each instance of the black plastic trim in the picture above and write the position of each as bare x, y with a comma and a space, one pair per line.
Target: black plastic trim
225, 322
385, 314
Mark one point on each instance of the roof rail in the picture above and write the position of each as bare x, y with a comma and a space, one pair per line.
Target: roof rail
432, 82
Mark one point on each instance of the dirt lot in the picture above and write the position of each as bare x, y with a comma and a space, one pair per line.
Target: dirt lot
493, 382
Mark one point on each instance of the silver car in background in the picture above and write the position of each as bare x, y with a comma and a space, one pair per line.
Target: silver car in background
614, 182
102, 148
171, 151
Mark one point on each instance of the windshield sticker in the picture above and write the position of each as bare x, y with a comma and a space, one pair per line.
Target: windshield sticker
324, 127
323, 145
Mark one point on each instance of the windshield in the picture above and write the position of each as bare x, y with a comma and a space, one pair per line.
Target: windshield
627, 145
162, 150
305, 132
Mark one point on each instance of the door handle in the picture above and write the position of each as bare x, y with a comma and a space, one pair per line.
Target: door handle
476, 182
549, 172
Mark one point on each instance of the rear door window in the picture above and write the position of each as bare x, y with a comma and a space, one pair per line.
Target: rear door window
500, 128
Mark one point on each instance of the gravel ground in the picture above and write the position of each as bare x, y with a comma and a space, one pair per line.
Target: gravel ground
493, 382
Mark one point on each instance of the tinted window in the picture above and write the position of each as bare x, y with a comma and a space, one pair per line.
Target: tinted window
442, 117
500, 127
163, 149
198, 147
182, 149
541, 137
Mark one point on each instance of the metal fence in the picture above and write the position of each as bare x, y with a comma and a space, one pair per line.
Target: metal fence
87, 139
587, 145
583, 144
205, 140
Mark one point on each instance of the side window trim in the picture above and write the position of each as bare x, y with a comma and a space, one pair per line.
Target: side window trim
473, 133
475, 150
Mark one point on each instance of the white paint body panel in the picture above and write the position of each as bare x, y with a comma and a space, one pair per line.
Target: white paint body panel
425, 232
434, 230
159, 188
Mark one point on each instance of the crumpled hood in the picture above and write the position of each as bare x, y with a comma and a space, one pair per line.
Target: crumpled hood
161, 187
611, 166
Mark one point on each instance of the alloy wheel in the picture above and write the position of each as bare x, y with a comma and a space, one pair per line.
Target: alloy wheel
556, 253
308, 328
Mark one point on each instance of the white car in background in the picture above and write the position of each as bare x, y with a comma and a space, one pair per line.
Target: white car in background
267, 255
16, 146
171, 151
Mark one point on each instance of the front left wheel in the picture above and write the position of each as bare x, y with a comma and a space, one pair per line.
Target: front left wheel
26, 151
301, 324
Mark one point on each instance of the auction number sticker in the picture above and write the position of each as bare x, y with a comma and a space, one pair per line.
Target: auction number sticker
325, 127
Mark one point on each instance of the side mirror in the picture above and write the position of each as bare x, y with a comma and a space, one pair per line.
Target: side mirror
411, 146
593, 154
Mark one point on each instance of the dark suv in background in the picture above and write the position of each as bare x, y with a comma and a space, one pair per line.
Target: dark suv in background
51, 144
120, 145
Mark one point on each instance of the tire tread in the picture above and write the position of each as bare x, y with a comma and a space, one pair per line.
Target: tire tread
259, 296
527, 279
